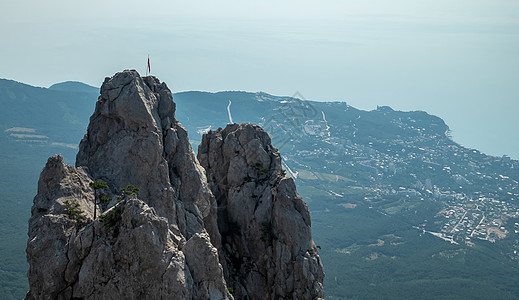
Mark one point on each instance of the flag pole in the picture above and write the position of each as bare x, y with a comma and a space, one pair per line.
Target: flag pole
148, 67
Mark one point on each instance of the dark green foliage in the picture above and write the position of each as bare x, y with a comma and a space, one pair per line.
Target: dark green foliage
106, 199
18, 182
130, 190
41, 210
97, 185
111, 218
283, 172
231, 290
73, 212
264, 170
310, 251
408, 265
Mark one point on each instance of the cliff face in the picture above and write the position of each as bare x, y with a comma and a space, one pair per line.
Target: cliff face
265, 225
156, 230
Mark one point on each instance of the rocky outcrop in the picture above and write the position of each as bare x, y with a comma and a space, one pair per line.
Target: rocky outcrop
134, 138
154, 231
62, 190
129, 253
264, 223
141, 246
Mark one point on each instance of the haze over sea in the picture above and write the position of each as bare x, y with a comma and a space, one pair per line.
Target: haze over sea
454, 59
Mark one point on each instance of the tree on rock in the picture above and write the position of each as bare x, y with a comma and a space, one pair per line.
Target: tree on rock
97, 185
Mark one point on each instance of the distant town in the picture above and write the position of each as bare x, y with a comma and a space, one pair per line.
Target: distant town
414, 160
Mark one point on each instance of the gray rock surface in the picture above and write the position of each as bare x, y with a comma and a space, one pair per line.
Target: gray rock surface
134, 138
137, 248
265, 225
51, 226
164, 240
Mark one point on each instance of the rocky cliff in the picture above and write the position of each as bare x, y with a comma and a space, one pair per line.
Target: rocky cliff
137, 218
265, 225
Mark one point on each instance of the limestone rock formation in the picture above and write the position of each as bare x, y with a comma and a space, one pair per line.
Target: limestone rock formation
154, 232
137, 248
264, 223
134, 138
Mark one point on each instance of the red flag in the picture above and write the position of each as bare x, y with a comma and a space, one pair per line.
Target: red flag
149, 69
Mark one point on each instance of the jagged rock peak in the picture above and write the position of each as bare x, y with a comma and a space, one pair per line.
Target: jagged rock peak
267, 247
155, 230
134, 138
157, 242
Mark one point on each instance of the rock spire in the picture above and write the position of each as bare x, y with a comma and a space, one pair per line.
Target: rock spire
265, 225
159, 232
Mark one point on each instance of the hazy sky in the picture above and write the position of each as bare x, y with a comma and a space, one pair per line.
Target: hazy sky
457, 59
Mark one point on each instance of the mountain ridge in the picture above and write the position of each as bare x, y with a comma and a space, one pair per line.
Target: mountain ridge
73, 86
340, 212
